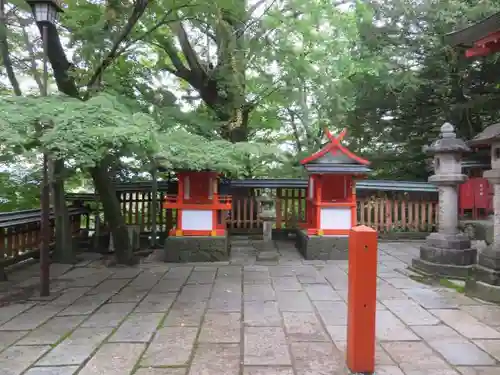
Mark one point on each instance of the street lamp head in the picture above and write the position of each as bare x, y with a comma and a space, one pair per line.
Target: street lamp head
45, 11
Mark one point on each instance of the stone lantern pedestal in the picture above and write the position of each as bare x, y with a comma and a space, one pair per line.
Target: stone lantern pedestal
486, 281
448, 252
267, 213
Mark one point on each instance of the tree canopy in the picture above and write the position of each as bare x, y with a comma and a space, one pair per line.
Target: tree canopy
244, 87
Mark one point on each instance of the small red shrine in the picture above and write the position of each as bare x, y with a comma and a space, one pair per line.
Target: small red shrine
199, 205
480, 39
331, 191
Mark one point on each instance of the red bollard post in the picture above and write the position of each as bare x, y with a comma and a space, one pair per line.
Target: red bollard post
362, 299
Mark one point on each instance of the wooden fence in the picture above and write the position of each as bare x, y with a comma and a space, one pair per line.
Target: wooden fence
20, 231
385, 214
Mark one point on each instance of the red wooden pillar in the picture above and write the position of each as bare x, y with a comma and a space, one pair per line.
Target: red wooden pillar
362, 299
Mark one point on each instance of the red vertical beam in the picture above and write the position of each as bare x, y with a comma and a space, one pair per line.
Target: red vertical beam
362, 299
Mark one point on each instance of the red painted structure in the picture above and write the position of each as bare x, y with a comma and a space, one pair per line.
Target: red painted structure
362, 300
480, 39
485, 46
331, 187
476, 195
199, 206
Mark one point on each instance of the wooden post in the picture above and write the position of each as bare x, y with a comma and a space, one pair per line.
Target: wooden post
362, 299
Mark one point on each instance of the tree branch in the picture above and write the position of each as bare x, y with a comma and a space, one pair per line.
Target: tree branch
31, 53
139, 9
180, 69
187, 49
5, 52
59, 62
162, 22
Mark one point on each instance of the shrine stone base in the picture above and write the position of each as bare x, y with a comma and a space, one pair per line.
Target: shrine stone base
196, 249
485, 284
322, 247
447, 256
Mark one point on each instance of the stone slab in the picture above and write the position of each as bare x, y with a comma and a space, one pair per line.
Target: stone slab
466, 325
137, 327
264, 292
250, 370
160, 371
171, 346
11, 311
286, 283
85, 305
109, 315
293, 301
414, 356
114, 359
220, 327
61, 370
492, 347
7, 338
32, 318
52, 331
332, 313
479, 370
262, 314
410, 312
185, 314
390, 328
461, 353
76, 348
156, 303
202, 277
319, 292
266, 346
190, 293
303, 326
129, 294
16, 359
70, 295
318, 358
216, 359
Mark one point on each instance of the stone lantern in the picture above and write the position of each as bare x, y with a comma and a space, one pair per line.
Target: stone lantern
486, 283
447, 252
267, 213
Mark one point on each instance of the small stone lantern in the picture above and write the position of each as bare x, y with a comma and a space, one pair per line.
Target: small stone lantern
447, 252
267, 213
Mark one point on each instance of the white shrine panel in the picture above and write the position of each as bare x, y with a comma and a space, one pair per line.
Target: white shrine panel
335, 218
197, 220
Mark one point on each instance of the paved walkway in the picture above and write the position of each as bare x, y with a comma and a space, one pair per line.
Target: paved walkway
240, 318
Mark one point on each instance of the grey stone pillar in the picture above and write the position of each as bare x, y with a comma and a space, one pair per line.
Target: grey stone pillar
447, 252
486, 281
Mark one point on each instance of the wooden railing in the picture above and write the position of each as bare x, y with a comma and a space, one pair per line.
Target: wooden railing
20, 233
384, 215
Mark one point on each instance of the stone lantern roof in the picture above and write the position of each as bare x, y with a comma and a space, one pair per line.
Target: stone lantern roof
447, 143
488, 136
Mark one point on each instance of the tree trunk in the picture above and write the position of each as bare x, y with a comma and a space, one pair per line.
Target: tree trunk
64, 250
112, 214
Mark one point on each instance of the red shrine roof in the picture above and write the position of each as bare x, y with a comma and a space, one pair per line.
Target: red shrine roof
335, 158
480, 39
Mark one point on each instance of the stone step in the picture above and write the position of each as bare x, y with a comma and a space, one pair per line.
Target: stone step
268, 256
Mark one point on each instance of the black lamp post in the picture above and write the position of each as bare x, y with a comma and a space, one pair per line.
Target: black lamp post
45, 13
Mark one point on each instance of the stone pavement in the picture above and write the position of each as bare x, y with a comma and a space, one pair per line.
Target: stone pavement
240, 318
